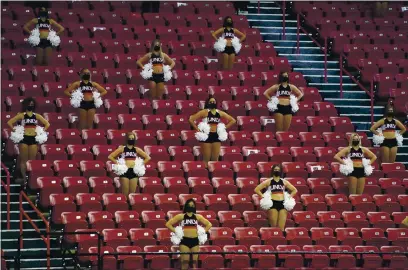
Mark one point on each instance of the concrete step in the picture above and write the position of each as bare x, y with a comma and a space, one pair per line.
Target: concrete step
15, 215
330, 79
303, 63
288, 36
359, 109
264, 10
15, 224
347, 94
271, 22
15, 233
348, 101
28, 243
304, 49
317, 71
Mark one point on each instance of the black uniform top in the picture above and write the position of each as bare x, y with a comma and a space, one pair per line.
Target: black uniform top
43, 25
129, 153
389, 125
29, 121
284, 91
189, 221
86, 88
229, 33
277, 186
356, 154
156, 59
213, 118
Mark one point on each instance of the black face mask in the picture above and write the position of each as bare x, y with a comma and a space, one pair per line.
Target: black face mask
212, 105
285, 79
229, 24
190, 209
355, 143
157, 48
86, 77
43, 14
131, 142
390, 113
30, 108
276, 173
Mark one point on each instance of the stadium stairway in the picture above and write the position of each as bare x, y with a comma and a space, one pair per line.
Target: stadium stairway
310, 62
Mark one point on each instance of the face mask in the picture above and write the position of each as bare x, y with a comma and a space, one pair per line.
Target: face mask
285, 79
229, 24
212, 105
276, 173
30, 108
43, 14
390, 113
86, 77
157, 48
131, 142
190, 209
355, 143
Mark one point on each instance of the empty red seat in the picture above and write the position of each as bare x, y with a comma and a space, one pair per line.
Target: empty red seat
153, 219
294, 169
272, 236
38, 168
318, 261
313, 202
369, 260
115, 202
61, 203
331, 219
305, 219
236, 261
287, 138
298, 236
348, 236
386, 203
130, 261
127, 219
157, 261
141, 202
338, 202
398, 236
302, 154
355, 219
291, 260
216, 202
230, 219
142, 237
396, 170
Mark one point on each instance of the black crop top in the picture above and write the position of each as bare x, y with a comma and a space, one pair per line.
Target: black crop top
229, 33
389, 125
284, 91
29, 121
129, 153
213, 119
156, 59
86, 87
356, 154
189, 221
43, 25
277, 186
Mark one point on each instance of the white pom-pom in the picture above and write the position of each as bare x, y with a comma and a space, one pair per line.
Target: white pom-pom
273, 104
288, 202
236, 44
54, 39
41, 136
368, 169
220, 44
378, 139
147, 71
204, 130
347, 168
177, 236
167, 73
76, 98
202, 235
17, 135
222, 132
97, 99
266, 202
139, 168
34, 38
294, 103
400, 139
120, 168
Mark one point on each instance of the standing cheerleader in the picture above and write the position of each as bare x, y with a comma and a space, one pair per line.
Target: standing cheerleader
129, 166
29, 133
283, 98
42, 37
228, 43
385, 134
211, 131
189, 235
84, 97
155, 71
275, 200
355, 166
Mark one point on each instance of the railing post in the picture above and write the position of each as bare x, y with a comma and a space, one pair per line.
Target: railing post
100, 260
21, 218
297, 33
284, 19
325, 59
372, 101
259, 7
341, 75
8, 190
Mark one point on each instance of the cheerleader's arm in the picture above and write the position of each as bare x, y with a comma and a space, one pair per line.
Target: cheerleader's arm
100, 89
204, 221
13, 120
175, 220
369, 154
28, 25
143, 154
216, 33
194, 117
71, 88
298, 92
342, 153
169, 61
271, 91
142, 60
231, 120
400, 126
113, 156
59, 26
239, 33
376, 125
43, 121
292, 188
264, 185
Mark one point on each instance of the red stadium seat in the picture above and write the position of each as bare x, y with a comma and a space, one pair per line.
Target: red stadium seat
127, 219
348, 236
330, 219
305, 219
75, 185
236, 261
355, 219
386, 203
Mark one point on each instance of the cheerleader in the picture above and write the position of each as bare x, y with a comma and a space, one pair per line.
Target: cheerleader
155, 71
28, 134
128, 158
211, 131
355, 166
189, 235
44, 45
84, 97
275, 200
283, 98
228, 43
385, 133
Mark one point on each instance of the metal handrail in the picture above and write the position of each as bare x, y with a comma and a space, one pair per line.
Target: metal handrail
7, 188
46, 239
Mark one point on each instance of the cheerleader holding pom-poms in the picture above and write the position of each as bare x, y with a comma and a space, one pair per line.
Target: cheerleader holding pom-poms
86, 96
355, 165
43, 37
283, 100
386, 135
129, 164
211, 131
189, 235
276, 200
228, 43
28, 134
155, 69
